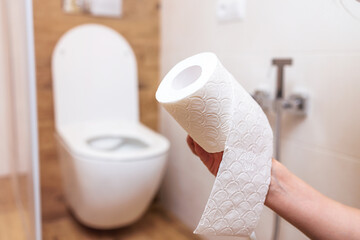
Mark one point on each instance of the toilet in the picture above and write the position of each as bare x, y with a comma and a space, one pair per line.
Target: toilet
111, 164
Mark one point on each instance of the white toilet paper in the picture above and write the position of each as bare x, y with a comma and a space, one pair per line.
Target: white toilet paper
220, 115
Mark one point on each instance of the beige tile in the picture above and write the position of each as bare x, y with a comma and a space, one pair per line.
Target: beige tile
273, 27
335, 175
301, 26
333, 83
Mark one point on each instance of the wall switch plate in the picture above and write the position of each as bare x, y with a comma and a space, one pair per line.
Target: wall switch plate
106, 8
102, 8
231, 10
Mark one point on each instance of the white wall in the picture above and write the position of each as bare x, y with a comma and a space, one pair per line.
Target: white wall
323, 40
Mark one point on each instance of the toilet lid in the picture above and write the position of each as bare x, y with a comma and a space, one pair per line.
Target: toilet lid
94, 75
117, 141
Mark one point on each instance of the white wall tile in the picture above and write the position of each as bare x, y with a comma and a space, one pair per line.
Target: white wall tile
322, 39
333, 83
335, 175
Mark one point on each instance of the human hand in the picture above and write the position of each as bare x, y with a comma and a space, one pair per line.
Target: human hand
211, 160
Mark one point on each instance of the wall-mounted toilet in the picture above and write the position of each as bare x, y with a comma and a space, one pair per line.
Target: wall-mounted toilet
111, 164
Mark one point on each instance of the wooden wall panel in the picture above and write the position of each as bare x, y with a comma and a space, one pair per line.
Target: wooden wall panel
139, 25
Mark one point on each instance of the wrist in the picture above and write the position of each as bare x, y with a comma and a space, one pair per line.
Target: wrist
276, 187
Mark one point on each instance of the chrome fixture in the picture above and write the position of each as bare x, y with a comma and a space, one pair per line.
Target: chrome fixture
279, 106
280, 63
296, 104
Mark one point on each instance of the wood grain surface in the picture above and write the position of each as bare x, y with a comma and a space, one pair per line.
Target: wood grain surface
11, 224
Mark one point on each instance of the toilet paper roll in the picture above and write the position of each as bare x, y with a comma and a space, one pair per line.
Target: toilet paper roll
206, 100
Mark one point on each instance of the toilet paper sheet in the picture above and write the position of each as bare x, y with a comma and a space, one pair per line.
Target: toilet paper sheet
220, 115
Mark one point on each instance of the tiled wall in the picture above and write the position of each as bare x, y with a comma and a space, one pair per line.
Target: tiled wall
323, 40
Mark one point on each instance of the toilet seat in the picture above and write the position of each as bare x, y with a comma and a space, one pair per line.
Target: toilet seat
117, 141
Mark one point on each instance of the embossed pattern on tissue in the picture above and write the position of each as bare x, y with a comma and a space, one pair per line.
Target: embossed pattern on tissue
206, 114
221, 116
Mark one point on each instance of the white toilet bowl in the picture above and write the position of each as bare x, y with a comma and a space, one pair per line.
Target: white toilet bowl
111, 164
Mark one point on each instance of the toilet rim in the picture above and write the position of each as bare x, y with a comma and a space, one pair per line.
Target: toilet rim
142, 144
118, 141
115, 158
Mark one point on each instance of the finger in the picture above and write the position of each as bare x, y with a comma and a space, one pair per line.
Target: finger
191, 144
217, 158
204, 155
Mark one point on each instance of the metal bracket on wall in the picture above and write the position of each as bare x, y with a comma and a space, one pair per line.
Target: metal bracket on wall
296, 104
